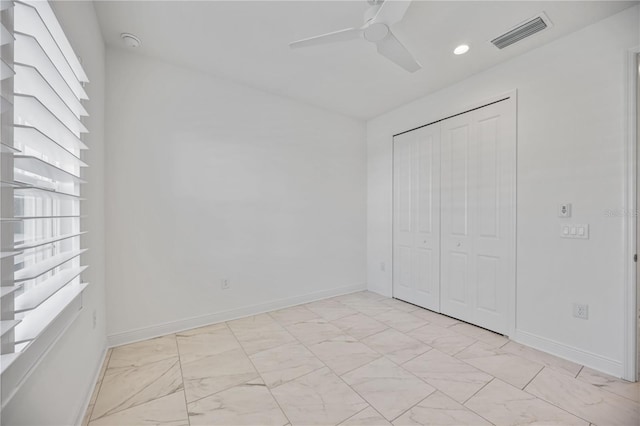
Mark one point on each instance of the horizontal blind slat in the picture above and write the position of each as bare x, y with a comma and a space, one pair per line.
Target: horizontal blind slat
35, 141
45, 241
33, 298
43, 168
44, 266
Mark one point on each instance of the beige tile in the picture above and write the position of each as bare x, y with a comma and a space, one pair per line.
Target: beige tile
169, 410
213, 373
553, 362
126, 387
400, 305
284, 363
293, 315
366, 417
194, 346
389, 389
508, 367
359, 325
145, 352
372, 308
439, 409
396, 346
343, 353
260, 333
240, 405
435, 318
330, 309
448, 374
314, 331
87, 415
442, 338
206, 329
576, 396
479, 350
478, 333
603, 381
503, 404
319, 398
401, 321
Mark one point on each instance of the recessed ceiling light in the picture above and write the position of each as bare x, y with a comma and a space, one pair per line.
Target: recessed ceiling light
461, 50
130, 40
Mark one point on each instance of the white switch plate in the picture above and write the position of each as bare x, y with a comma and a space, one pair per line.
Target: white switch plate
564, 210
579, 231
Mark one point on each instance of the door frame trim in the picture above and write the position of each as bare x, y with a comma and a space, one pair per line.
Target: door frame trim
631, 355
509, 96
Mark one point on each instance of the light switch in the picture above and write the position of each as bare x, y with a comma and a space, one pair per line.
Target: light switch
575, 231
564, 210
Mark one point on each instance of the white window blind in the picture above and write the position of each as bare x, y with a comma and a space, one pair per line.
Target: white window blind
42, 131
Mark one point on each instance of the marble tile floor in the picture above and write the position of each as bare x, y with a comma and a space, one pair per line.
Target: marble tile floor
357, 359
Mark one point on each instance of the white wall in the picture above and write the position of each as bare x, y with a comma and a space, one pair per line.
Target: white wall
571, 141
210, 180
58, 389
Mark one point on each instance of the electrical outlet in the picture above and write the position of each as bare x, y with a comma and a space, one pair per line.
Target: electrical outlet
95, 318
564, 210
581, 311
224, 284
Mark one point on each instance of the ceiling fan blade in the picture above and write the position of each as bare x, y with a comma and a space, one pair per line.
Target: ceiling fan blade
391, 48
391, 12
336, 36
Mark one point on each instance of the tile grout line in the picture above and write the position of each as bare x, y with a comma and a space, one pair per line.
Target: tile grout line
258, 372
476, 392
184, 388
579, 371
549, 402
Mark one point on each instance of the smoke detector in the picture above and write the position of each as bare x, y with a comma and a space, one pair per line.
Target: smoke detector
130, 40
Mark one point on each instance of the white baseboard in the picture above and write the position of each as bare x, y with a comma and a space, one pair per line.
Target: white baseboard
145, 333
85, 404
579, 356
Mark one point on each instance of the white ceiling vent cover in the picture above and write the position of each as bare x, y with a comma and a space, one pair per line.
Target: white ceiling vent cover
522, 31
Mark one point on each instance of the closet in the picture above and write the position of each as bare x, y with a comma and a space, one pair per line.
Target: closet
454, 216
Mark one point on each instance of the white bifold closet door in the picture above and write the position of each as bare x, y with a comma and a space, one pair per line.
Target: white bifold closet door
454, 245
477, 250
416, 232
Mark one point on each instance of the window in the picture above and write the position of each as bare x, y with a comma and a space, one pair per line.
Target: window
41, 138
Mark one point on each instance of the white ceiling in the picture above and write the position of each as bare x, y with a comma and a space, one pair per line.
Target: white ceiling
247, 42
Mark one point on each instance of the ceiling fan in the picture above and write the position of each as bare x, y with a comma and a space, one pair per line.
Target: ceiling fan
376, 29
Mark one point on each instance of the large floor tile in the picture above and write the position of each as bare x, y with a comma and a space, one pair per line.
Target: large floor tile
366, 417
359, 325
126, 387
314, 331
193, 346
145, 352
400, 305
603, 381
401, 321
284, 363
448, 374
259, 333
293, 315
442, 338
553, 362
435, 318
319, 398
208, 375
396, 346
241, 405
479, 333
169, 410
439, 409
508, 367
330, 309
590, 402
389, 389
503, 404
343, 353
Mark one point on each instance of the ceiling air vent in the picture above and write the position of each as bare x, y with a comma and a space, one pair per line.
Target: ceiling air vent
522, 31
